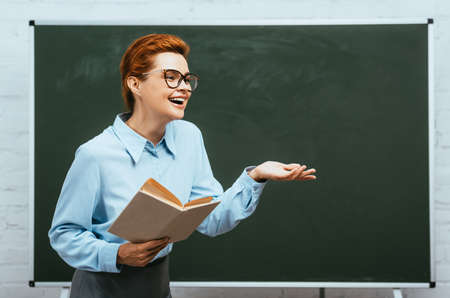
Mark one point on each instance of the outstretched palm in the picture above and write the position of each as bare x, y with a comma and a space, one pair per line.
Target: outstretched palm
274, 170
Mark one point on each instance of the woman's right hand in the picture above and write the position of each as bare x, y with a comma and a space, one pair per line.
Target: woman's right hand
140, 254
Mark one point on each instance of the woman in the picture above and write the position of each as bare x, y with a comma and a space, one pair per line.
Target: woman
150, 140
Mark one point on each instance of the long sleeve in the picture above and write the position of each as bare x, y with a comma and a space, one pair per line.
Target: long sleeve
237, 203
71, 231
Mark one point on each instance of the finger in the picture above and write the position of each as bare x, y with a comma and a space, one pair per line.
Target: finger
147, 260
291, 166
150, 257
145, 252
153, 243
156, 248
148, 253
286, 175
154, 252
296, 173
305, 173
309, 177
308, 172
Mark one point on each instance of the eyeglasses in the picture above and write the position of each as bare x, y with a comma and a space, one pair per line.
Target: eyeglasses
173, 78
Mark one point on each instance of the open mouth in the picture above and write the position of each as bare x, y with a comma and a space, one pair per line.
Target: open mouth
177, 100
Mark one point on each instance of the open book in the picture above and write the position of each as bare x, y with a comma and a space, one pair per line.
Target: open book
154, 212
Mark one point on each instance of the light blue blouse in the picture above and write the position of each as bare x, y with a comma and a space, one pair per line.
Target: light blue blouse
109, 169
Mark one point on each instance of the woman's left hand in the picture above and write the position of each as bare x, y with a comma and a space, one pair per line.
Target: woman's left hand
273, 170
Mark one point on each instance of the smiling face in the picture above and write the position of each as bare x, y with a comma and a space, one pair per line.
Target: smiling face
154, 97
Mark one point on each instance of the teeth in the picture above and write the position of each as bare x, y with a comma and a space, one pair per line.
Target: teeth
178, 99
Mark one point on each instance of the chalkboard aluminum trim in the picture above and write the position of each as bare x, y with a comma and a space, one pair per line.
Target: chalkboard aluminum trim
272, 284
301, 284
431, 132
31, 159
200, 22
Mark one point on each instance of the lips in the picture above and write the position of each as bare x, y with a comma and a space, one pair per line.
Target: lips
177, 100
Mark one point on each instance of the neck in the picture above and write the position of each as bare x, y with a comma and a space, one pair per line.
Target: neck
146, 125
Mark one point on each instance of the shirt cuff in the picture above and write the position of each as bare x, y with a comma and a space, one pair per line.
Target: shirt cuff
253, 187
108, 258
247, 181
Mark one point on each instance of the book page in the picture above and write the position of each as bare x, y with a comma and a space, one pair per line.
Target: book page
151, 186
198, 201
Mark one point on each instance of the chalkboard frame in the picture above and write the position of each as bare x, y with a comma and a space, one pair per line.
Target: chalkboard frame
200, 22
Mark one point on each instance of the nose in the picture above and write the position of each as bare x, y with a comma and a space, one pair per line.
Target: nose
185, 86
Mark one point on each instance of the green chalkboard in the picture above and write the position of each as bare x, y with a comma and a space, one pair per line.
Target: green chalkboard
348, 100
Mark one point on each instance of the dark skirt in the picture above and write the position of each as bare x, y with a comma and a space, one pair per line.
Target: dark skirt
151, 281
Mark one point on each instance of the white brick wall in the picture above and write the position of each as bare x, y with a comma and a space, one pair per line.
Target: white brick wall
14, 88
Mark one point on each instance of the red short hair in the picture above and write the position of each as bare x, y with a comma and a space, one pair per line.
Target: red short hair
139, 58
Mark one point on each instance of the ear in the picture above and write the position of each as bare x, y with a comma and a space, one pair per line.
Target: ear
134, 84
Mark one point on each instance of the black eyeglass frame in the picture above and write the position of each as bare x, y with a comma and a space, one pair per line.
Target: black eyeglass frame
182, 77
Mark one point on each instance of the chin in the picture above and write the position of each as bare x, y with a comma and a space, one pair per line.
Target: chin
177, 116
